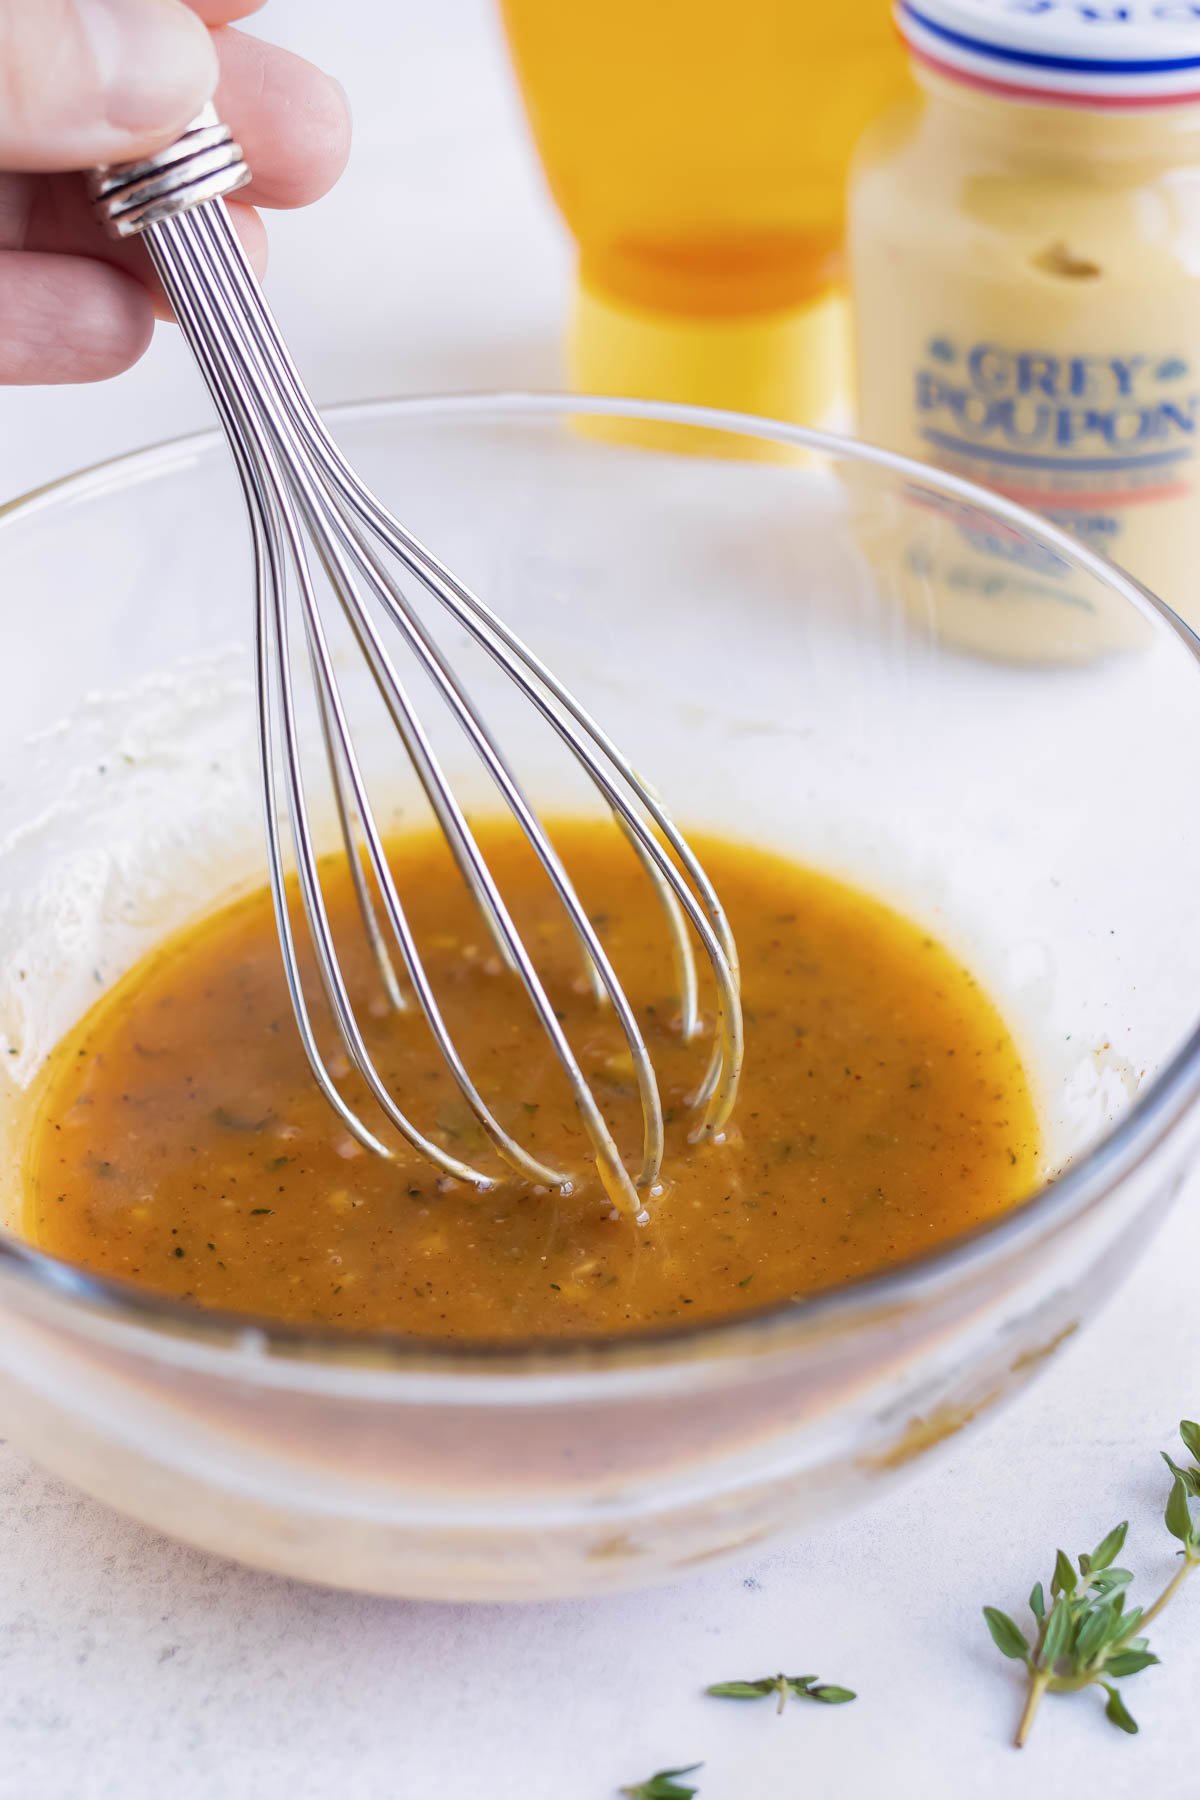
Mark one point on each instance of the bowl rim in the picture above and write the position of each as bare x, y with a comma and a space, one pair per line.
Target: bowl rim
1052, 1206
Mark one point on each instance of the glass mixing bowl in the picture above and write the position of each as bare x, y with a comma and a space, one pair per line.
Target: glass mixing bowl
812, 646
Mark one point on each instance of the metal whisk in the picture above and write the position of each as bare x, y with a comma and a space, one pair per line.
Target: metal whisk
304, 503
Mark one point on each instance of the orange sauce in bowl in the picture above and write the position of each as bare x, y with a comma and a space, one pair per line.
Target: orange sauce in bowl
179, 1141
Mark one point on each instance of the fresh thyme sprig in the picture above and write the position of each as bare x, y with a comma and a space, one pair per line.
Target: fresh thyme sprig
804, 1687
1085, 1637
664, 1786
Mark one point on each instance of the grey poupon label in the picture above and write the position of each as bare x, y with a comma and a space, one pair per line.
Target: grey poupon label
1090, 435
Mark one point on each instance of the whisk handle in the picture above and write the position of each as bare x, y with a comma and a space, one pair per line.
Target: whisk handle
204, 163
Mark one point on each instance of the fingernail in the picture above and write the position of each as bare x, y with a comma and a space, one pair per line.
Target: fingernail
155, 61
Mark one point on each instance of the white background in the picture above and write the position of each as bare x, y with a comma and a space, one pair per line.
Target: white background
131, 1667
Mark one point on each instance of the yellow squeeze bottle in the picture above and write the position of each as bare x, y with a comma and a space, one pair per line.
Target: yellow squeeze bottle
697, 150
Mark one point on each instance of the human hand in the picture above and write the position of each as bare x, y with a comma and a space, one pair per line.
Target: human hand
97, 81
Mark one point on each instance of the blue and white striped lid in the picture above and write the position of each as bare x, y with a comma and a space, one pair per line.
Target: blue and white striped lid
1119, 53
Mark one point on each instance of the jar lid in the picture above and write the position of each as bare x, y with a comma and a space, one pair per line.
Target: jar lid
1077, 52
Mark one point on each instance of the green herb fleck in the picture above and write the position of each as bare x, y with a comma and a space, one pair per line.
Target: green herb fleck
258, 1212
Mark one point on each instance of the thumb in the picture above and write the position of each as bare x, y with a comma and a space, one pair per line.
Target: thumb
97, 81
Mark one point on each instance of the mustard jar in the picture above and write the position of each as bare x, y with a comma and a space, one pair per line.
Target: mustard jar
1024, 238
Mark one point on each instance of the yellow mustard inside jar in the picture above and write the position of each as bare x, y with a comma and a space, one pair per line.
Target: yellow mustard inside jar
1024, 237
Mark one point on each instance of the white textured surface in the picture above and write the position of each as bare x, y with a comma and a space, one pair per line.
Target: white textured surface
132, 1668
